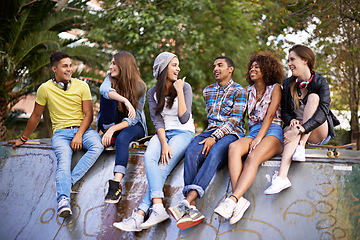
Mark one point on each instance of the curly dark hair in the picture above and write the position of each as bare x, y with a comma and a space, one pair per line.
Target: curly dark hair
271, 68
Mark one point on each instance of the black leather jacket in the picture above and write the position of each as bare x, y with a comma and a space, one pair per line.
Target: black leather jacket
320, 86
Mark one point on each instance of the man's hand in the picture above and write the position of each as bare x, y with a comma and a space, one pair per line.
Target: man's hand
208, 143
76, 142
17, 143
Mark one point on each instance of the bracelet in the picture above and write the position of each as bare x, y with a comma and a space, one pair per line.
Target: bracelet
300, 132
23, 139
233, 195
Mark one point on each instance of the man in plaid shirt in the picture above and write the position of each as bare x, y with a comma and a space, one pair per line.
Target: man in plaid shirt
225, 103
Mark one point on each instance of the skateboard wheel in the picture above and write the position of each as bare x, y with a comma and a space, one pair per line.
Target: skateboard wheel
337, 154
134, 145
330, 154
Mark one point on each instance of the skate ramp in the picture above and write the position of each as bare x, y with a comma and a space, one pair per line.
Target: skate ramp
322, 203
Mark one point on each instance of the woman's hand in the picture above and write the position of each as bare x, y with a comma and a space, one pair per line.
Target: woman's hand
254, 144
291, 135
179, 84
165, 153
294, 122
106, 139
131, 109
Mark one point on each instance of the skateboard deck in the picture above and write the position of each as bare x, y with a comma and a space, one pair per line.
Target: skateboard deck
333, 151
142, 142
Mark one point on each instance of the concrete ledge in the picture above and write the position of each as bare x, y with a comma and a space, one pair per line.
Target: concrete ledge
323, 202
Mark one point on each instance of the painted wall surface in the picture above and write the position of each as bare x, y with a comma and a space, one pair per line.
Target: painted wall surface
322, 203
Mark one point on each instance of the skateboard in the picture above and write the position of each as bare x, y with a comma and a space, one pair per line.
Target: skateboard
142, 142
333, 151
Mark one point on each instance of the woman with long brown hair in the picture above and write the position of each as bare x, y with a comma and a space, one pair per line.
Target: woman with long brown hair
305, 110
121, 116
170, 110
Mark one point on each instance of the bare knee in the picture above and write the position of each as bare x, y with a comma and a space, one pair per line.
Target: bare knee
233, 148
313, 98
252, 160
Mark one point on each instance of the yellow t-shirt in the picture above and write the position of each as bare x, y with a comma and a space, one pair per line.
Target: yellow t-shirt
65, 107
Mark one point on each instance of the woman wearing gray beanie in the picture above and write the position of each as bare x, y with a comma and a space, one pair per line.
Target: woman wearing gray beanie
170, 110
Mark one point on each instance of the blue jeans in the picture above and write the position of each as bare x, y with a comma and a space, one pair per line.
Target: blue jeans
198, 171
109, 116
156, 172
60, 141
122, 141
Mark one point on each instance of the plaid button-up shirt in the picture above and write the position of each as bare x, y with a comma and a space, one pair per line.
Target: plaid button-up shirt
226, 107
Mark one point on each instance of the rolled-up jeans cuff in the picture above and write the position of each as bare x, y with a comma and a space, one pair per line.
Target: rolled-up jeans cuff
197, 188
157, 194
144, 207
119, 169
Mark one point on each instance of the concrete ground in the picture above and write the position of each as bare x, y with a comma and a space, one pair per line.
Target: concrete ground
322, 203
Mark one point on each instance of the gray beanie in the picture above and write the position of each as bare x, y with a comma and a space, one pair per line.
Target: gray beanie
161, 61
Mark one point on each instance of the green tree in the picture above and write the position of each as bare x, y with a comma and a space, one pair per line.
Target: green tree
197, 31
338, 43
29, 33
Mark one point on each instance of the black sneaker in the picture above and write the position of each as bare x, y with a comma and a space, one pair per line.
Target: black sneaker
114, 192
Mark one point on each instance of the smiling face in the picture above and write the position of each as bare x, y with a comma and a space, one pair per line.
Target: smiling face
297, 65
222, 72
255, 72
63, 70
173, 70
114, 69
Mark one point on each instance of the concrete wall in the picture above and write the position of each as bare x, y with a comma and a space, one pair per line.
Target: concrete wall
323, 202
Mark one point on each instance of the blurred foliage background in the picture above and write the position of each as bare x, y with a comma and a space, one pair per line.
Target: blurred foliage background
197, 31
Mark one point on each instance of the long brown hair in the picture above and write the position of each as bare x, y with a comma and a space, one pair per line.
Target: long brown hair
306, 54
128, 83
160, 92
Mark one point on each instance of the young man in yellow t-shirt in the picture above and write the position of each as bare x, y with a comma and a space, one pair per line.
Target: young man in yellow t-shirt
71, 112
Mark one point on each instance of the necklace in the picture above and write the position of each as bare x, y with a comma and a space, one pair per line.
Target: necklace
259, 91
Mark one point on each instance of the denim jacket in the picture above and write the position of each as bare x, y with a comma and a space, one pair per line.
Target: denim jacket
105, 88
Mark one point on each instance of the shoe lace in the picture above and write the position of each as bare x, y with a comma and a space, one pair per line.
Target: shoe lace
63, 202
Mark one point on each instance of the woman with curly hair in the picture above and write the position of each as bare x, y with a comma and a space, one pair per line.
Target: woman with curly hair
265, 139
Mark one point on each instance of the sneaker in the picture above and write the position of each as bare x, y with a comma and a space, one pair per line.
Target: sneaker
192, 218
179, 210
64, 209
226, 208
114, 192
241, 206
131, 224
157, 215
299, 154
277, 185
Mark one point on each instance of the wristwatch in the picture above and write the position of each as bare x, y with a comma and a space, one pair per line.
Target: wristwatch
299, 129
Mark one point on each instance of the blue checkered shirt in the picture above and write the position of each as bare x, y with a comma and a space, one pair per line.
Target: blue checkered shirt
226, 107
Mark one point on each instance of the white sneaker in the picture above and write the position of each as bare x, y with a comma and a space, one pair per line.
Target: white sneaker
64, 209
299, 154
157, 215
226, 208
241, 206
277, 185
131, 224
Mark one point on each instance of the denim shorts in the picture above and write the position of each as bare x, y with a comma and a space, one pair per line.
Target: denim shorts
324, 141
274, 130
